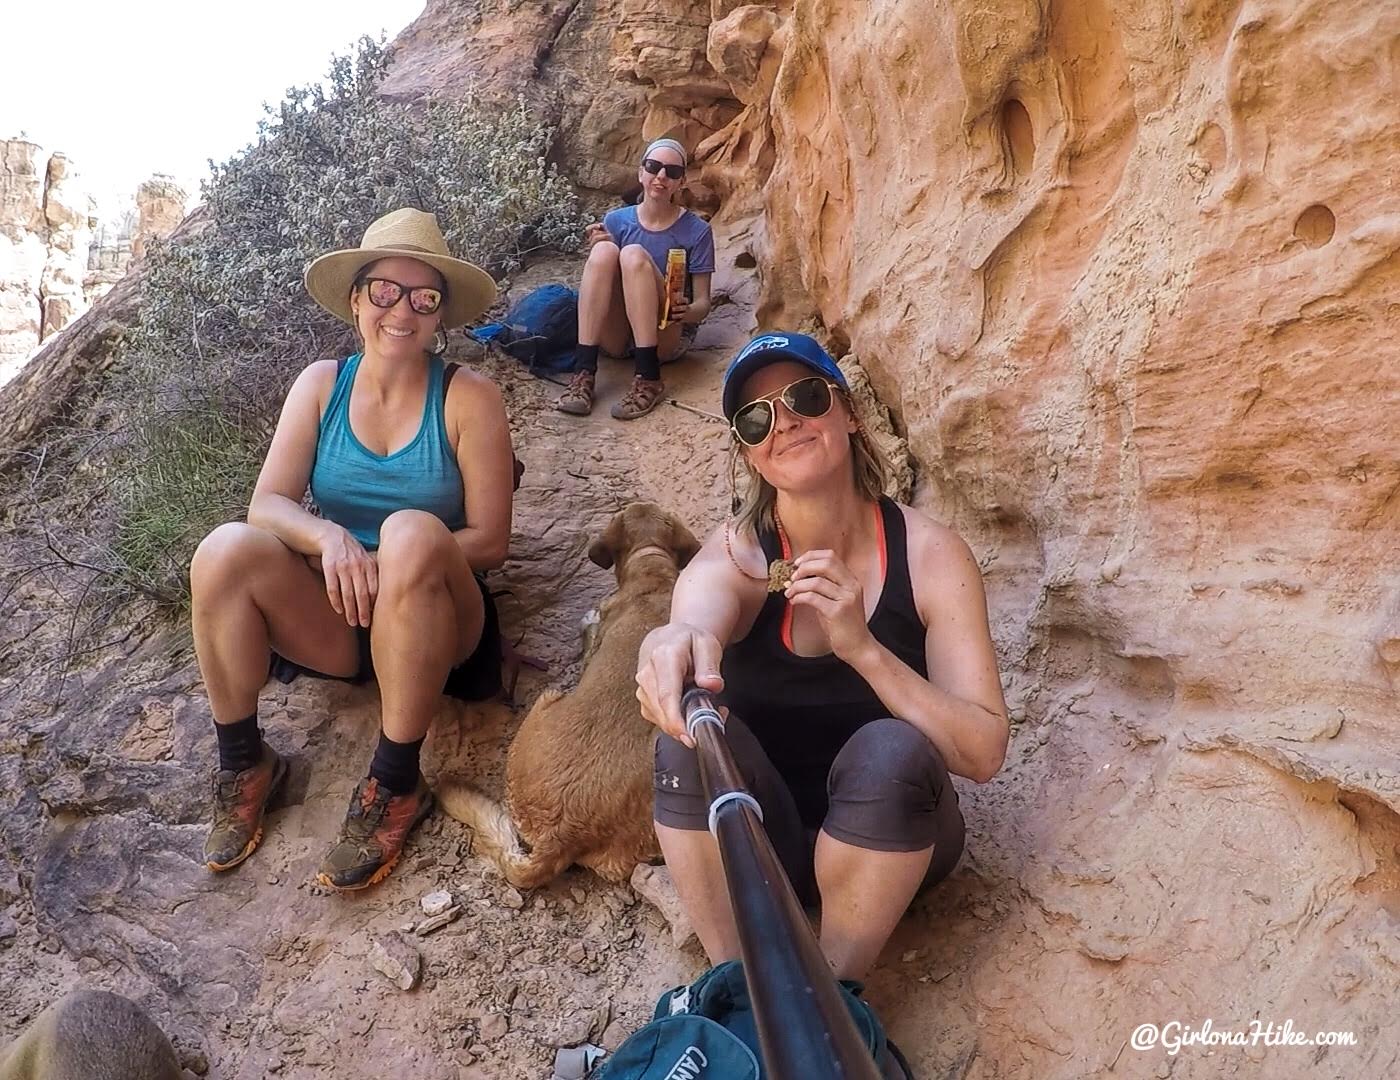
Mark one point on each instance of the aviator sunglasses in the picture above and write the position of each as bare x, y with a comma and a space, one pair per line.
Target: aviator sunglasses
810, 397
384, 293
673, 172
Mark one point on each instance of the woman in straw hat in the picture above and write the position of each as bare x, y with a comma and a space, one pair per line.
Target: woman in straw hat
848, 635
621, 296
412, 471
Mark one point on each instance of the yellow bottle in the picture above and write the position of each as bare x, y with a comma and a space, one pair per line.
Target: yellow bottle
675, 282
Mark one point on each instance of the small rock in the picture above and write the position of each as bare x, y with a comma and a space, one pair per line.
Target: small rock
576, 953
8, 928
578, 894
397, 960
50, 946
437, 922
615, 1035
493, 1026
653, 884
272, 879
435, 903
9, 886
909, 957
511, 898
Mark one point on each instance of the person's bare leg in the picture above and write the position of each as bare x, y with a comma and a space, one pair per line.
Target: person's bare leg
601, 320
641, 288
428, 617
693, 858
249, 594
864, 894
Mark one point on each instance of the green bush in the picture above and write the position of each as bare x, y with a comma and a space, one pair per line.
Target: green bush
225, 324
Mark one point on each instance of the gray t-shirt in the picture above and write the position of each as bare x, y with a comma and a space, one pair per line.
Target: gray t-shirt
690, 231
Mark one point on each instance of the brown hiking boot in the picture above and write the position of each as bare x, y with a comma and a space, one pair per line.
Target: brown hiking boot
240, 800
641, 397
577, 400
372, 837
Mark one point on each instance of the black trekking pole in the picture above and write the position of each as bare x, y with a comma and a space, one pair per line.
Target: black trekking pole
805, 1031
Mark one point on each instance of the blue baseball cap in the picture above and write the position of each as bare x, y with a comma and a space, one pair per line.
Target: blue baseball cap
769, 349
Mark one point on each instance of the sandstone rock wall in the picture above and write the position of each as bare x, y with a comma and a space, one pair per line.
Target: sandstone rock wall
1125, 271
56, 257
45, 230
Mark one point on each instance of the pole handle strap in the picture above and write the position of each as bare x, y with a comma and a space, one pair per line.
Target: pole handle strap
733, 796
703, 715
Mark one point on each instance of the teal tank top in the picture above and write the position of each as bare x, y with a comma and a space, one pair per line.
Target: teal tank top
357, 488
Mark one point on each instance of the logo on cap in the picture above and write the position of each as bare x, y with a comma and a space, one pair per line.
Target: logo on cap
770, 341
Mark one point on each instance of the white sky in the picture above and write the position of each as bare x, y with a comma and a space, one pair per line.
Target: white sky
128, 88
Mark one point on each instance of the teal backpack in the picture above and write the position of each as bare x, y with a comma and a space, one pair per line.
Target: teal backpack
707, 1031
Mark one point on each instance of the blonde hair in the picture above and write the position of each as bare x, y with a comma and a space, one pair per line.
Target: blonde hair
753, 510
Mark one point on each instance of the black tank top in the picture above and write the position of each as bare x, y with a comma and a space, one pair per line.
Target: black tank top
803, 709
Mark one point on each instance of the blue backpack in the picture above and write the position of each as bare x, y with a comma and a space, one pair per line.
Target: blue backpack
707, 1031
541, 329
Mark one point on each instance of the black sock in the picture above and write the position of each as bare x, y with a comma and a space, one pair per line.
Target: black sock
395, 764
586, 358
648, 366
240, 744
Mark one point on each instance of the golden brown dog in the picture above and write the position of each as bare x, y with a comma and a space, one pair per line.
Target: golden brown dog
579, 773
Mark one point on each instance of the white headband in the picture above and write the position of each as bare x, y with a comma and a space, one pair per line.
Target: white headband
667, 144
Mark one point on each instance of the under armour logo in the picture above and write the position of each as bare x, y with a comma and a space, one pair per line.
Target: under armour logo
669, 780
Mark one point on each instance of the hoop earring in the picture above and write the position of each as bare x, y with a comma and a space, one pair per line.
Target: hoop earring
439, 342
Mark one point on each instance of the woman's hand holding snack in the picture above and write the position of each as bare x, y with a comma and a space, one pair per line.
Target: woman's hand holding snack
822, 582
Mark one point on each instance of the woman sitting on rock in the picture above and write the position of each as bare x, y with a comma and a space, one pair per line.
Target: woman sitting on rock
413, 477
853, 690
621, 296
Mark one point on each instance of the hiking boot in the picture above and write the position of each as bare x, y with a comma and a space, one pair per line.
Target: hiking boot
641, 397
372, 837
577, 400
240, 800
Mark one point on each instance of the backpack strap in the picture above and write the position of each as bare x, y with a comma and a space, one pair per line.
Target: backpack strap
340, 365
447, 373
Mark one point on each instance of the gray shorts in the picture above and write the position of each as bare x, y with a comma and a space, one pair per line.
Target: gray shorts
887, 790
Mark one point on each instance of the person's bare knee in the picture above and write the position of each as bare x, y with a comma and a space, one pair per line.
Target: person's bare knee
227, 560
414, 549
636, 259
603, 254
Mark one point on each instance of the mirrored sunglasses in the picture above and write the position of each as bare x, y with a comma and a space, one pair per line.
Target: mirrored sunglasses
810, 397
673, 172
384, 293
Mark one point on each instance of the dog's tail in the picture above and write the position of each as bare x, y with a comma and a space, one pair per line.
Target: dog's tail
495, 837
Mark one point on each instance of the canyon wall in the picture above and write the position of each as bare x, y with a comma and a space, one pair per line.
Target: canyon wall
56, 255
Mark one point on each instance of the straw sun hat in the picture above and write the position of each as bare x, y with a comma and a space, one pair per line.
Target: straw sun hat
414, 235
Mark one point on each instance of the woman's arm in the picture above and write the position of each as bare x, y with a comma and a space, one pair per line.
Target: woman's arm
276, 503
959, 707
711, 601
477, 413
351, 576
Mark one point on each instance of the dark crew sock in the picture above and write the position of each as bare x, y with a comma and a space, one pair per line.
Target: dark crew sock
395, 764
648, 366
586, 358
240, 744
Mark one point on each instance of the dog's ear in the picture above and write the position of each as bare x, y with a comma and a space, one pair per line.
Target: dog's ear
684, 544
603, 551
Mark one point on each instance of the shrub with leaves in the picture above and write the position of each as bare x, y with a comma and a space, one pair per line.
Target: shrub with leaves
226, 324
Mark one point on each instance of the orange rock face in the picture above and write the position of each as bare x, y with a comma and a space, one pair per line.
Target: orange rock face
1127, 274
